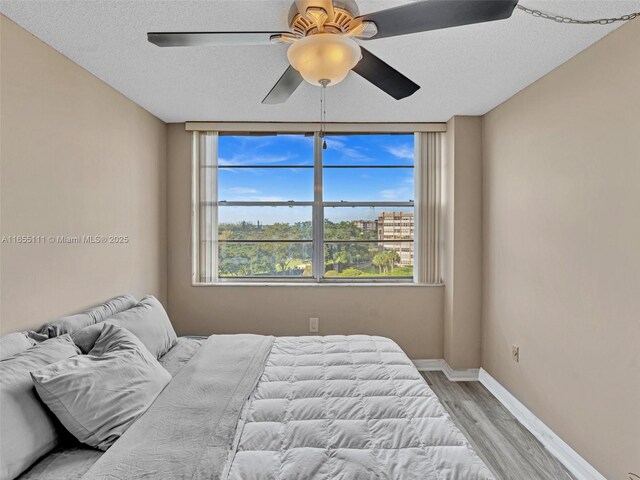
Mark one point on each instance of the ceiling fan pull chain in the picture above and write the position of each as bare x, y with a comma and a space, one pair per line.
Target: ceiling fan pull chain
323, 111
563, 19
324, 114
321, 134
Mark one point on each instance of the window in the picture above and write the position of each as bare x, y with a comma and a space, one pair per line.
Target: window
278, 207
368, 189
265, 206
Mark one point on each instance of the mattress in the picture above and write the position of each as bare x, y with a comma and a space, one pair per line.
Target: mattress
347, 407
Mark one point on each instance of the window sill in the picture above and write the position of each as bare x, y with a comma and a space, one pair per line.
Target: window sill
316, 284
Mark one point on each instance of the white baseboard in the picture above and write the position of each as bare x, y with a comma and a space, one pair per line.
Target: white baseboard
468, 375
429, 365
440, 365
577, 465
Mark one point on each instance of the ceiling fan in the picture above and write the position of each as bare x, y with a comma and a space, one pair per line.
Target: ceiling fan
322, 41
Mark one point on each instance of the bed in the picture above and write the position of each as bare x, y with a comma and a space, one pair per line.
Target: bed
347, 407
243, 407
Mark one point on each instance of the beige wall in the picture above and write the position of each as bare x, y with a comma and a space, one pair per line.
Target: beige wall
77, 158
411, 315
462, 223
562, 250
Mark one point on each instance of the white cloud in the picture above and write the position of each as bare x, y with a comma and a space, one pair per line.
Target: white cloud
355, 154
348, 153
403, 194
242, 194
241, 190
254, 160
404, 152
334, 142
265, 198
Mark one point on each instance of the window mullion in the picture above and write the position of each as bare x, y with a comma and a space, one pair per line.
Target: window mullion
318, 210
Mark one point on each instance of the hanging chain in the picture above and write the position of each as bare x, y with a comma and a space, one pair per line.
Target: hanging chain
323, 111
562, 19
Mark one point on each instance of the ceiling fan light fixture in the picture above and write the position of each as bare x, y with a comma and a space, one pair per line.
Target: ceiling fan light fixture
324, 56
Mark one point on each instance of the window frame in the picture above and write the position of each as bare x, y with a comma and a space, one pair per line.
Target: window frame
317, 204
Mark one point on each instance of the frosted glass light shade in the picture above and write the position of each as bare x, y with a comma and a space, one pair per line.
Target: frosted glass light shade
324, 56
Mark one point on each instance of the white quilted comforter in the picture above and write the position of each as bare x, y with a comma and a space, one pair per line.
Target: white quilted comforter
348, 407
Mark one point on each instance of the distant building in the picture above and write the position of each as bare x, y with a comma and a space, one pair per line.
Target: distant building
397, 226
366, 225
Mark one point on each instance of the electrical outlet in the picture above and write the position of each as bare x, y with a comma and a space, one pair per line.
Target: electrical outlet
515, 353
314, 323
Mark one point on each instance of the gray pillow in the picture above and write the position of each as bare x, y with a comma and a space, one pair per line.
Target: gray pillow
36, 337
27, 428
73, 323
147, 320
97, 397
14, 343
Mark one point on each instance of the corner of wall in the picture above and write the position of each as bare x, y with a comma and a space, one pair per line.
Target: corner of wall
462, 219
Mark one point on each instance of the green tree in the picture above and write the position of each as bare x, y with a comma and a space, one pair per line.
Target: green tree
340, 258
380, 260
351, 272
281, 253
393, 257
282, 258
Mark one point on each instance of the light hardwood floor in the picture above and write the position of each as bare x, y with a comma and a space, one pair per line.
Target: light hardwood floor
510, 451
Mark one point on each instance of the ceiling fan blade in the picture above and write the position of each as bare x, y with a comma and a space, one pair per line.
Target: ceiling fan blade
384, 76
284, 87
207, 39
426, 15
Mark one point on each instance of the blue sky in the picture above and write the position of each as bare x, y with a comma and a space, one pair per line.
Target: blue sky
283, 184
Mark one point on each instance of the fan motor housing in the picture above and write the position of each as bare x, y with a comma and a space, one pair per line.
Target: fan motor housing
303, 26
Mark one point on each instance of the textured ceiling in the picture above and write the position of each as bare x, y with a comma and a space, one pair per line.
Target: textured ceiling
463, 71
